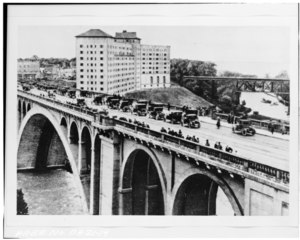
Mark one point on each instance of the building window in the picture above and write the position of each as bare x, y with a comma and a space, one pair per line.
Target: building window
81, 76
81, 46
81, 64
81, 58
101, 46
101, 59
157, 80
151, 80
101, 89
164, 79
101, 52
81, 82
81, 52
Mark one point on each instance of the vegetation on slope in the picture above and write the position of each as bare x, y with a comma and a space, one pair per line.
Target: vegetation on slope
175, 96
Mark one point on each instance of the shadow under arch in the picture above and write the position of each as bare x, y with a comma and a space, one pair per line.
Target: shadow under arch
32, 127
143, 184
195, 194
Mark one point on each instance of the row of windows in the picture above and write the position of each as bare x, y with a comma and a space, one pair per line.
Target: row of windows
157, 63
153, 67
91, 46
91, 52
92, 64
92, 89
91, 70
150, 72
91, 82
154, 59
128, 80
157, 54
92, 58
118, 47
121, 75
91, 76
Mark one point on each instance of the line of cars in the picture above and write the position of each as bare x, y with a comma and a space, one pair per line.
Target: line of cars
153, 110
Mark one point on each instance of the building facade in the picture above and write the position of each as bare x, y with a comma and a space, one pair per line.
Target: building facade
28, 69
120, 64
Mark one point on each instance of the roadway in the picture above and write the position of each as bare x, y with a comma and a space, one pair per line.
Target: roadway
258, 148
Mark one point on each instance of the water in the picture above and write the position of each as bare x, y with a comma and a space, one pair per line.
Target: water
53, 192
253, 100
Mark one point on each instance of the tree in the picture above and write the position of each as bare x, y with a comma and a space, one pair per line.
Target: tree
22, 208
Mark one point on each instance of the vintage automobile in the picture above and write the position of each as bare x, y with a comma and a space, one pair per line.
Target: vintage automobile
174, 116
81, 102
155, 111
125, 105
139, 108
114, 103
244, 127
190, 119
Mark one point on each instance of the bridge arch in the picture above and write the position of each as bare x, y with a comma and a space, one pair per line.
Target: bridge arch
24, 109
74, 132
37, 126
63, 122
196, 194
143, 184
86, 147
28, 107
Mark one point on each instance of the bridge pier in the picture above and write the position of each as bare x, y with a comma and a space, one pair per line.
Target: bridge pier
79, 155
110, 168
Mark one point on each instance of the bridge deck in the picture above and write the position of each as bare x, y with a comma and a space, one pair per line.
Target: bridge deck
267, 150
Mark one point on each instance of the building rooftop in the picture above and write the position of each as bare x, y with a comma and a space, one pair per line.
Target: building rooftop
127, 35
95, 33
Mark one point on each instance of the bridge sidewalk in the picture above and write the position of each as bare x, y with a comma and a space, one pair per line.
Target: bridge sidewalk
258, 131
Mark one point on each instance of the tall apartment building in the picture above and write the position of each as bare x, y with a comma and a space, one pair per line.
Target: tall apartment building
120, 64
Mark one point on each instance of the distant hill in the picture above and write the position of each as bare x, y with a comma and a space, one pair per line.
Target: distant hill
175, 95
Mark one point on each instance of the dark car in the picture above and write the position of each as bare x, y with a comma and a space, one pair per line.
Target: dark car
174, 116
125, 105
139, 109
155, 111
190, 119
244, 127
114, 103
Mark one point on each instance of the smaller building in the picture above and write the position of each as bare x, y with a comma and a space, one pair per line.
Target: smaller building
28, 68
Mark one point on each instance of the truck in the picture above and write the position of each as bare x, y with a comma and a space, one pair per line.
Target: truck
139, 108
155, 111
244, 128
125, 105
190, 119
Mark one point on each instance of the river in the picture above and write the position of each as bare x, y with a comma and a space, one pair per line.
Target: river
52, 192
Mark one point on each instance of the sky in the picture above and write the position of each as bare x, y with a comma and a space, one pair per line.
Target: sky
258, 50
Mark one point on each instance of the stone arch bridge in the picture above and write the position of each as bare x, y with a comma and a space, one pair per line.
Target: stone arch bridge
138, 171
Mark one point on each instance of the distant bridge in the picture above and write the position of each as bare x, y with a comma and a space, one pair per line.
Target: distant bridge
138, 171
245, 84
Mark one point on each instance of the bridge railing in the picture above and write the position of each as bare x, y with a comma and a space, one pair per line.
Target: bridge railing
58, 103
239, 162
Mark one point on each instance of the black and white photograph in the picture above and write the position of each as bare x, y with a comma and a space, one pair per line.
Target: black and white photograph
167, 110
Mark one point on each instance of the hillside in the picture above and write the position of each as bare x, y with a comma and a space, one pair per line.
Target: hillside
174, 95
